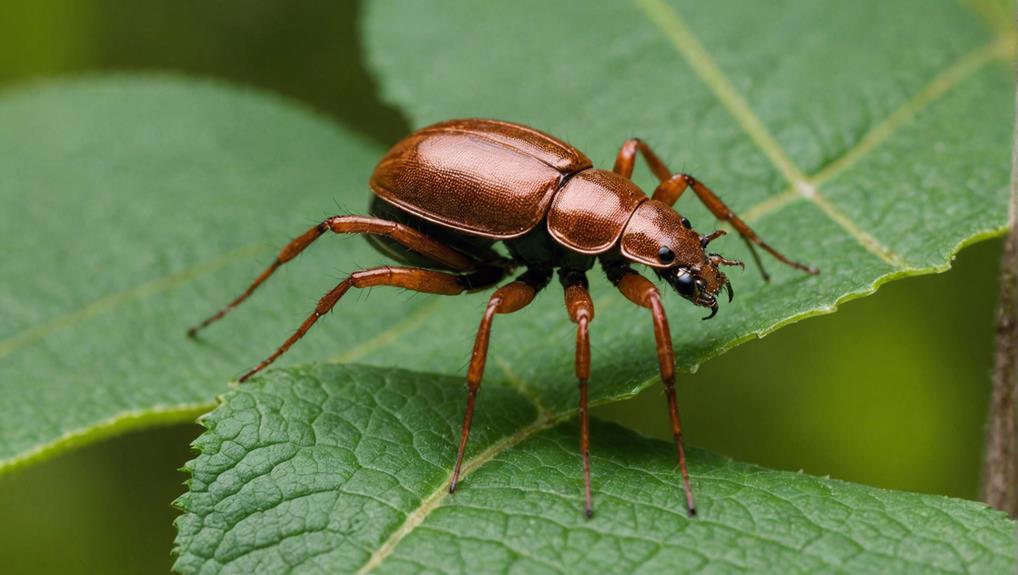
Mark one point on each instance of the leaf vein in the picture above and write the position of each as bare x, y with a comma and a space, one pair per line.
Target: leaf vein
682, 37
518, 552
940, 85
115, 300
415, 517
686, 43
995, 15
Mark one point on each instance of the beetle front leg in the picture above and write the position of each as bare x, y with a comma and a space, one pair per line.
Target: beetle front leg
642, 292
673, 185
672, 188
581, 311
511, 297
626, 160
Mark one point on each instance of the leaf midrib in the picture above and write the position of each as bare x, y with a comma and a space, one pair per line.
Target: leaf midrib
688, 47
544, 421
435, 499
997, 16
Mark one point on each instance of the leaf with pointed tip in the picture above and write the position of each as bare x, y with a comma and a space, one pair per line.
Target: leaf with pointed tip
343, 469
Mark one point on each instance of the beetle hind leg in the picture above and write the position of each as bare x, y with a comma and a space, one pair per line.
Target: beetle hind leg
415, 279
405, 235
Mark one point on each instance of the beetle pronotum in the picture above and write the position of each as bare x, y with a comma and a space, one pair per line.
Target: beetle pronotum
444, 195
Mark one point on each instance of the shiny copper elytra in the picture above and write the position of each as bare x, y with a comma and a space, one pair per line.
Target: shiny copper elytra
446, 193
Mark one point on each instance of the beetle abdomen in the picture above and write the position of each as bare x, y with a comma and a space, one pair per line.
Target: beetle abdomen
482, 177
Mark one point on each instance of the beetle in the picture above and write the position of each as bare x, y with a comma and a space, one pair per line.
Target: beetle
447, 193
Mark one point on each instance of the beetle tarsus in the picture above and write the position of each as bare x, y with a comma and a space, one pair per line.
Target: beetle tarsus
713, 312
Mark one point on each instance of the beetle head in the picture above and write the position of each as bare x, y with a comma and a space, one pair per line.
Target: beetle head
659, 237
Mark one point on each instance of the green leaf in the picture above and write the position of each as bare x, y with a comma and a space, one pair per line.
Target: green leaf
133, 206
342, 469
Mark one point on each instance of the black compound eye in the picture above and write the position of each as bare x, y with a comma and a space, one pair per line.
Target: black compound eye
684, 284
665, 255
686, 224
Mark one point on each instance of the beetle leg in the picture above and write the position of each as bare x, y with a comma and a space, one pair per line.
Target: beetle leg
669, 191
626, 159
511, 297
642, 292
405, 235
416, 279
672, 187
581, 312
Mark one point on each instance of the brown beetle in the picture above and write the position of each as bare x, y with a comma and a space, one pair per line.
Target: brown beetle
448, 192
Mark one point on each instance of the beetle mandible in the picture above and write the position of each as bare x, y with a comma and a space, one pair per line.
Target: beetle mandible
444, 195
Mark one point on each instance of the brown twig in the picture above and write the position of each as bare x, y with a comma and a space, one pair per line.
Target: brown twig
1000, 468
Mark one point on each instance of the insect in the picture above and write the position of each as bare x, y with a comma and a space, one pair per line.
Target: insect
443, 197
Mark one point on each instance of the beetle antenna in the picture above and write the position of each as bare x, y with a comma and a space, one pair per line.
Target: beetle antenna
719, 260
704, 240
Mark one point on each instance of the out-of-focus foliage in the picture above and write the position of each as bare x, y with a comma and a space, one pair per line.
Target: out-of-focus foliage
306, 50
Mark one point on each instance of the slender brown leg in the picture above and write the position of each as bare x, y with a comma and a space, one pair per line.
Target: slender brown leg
415, 279
511, 297
626, 159
407, 236
673, 185
581, 311
642, 292
670, 190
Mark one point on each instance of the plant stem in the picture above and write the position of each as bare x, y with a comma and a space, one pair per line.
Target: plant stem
1000, 468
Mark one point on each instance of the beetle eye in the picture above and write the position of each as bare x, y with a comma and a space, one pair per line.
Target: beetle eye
684, 284
686, 224
665, 255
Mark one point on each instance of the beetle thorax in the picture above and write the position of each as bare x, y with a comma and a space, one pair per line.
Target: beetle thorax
654, 230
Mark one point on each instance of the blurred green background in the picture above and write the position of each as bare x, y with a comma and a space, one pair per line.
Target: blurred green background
890, 391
